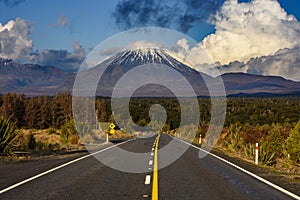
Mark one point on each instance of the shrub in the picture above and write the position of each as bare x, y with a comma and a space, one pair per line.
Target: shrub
266, 156
31, 142
51, 131
74, 139
249, 150
67, 130
8, 134
83, 128
293, 144
272, 146
234, 137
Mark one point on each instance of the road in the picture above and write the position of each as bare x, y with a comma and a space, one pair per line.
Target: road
86, 178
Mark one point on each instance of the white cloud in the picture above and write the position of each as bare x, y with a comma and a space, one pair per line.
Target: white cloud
249, 37
252, 29
62, 21
61, 58
195, 57
7, 26
285, 62
16, 44
14, 40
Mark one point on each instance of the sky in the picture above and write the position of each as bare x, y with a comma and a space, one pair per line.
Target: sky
62, 32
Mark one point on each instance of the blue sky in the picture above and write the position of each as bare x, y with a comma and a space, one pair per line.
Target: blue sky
62, 32
90, 21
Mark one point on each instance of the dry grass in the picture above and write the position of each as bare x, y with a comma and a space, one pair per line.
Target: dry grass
43, 136
49, 138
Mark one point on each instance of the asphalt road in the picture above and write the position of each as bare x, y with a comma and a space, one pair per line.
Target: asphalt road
187, 178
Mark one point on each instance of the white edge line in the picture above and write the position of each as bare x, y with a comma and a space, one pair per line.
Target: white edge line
58, 167
246, 171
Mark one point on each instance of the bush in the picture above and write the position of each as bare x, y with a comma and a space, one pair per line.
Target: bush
31, 142
74, 139
293, 144
249, 150
51, 131
266, 156
272, 146
8, 134
234, 137
67, 131
83, 128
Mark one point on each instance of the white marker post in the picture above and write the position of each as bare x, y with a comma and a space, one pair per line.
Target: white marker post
256, 153
200, 139
106, 137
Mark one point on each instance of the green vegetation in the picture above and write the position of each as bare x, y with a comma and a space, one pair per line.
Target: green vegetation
8, 134
277, 143
37, 112
272, 122
271, 147
54, 111
293, 144
69, 133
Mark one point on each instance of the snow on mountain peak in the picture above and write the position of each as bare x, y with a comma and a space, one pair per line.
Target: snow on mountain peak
140, 56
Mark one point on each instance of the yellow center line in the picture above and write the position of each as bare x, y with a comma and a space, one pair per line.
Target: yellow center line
155, 172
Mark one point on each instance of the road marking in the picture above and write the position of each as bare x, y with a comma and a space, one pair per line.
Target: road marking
59, 167
150, 162
246, 171
148, 180
155, 172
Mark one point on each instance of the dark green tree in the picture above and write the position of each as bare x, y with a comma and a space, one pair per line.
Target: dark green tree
293, 144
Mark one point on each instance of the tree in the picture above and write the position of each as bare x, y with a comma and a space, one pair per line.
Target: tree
272, 146
32, 115
45, 112
293, 144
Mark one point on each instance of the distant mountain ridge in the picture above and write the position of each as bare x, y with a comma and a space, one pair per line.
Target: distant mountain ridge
237, 83
34, 80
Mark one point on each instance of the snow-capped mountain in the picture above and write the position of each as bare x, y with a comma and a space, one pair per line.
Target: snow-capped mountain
149, 55
122, 62
32, 79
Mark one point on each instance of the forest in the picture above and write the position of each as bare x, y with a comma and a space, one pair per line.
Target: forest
54, 111
273, 122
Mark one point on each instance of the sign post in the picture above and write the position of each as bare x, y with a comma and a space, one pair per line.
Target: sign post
200, 139
112, 128
111, 131
256, 153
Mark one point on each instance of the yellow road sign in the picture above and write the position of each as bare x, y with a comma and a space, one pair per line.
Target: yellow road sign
111, 129
112, 126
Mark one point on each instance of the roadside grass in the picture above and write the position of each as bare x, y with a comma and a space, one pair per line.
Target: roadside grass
32, 142
282, 167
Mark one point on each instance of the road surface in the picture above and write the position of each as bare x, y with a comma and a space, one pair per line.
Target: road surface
86, 178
